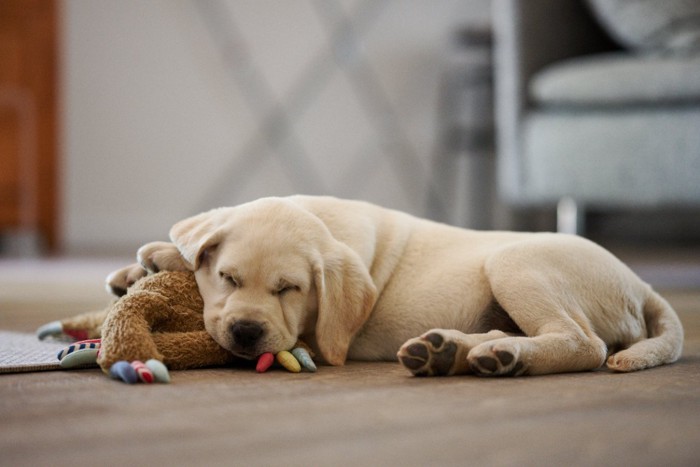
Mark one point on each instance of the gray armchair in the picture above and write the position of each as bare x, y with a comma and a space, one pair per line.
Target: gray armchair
582, 122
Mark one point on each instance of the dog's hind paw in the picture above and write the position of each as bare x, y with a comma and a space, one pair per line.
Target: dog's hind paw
435, 353
496, 359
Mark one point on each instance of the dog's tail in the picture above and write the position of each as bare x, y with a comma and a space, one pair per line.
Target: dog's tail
663, 345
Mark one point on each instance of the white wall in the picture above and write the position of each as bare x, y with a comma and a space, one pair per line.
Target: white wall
166, 106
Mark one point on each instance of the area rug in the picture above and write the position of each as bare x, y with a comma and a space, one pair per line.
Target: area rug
21, 352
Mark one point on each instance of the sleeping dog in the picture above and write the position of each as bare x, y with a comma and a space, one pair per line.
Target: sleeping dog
361, 282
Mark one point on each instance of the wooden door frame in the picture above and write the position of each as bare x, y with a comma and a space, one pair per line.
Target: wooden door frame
34, 94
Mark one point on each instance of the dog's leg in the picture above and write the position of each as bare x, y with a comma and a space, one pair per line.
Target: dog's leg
152, 257
161, 256
543, 303
442, 352
121, 279
538, 355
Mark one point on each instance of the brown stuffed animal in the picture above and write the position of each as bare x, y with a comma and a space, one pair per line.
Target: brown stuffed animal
160, 318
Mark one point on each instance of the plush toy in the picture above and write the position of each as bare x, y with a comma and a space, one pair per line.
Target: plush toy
160, 319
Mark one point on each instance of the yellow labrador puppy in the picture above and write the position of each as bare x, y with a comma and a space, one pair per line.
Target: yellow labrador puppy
360, 282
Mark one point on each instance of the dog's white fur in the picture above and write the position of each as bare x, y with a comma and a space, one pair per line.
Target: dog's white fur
357, 281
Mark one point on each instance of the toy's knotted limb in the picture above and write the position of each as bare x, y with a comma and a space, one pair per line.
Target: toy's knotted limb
191, 349
127, 329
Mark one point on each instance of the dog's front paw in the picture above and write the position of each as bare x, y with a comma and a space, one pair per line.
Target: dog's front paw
119, 281
161, 256
496, 359
436, 353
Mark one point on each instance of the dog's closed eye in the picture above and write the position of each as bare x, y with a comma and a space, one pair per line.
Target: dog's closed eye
284, 287
230, 280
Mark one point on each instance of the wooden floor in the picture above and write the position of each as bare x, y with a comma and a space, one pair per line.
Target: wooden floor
360, 414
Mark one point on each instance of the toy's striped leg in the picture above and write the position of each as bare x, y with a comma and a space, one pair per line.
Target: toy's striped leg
80, 354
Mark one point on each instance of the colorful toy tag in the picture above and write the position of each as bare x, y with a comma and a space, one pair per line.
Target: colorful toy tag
287, 360
265, 361
123, 371
302, 355
293, 360
52, 329
159, 370
142, 371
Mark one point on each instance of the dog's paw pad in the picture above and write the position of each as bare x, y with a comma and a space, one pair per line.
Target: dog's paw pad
435, 339
415, 357
488, 364
429, 355
504, 357
490, 361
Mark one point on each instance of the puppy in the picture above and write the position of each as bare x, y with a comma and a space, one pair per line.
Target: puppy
360, 282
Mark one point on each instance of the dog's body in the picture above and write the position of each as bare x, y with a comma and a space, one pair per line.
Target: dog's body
361, 282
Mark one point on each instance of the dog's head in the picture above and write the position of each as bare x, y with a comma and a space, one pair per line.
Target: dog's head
270, 272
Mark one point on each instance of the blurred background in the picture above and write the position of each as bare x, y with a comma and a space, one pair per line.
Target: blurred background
164, 109
120, 117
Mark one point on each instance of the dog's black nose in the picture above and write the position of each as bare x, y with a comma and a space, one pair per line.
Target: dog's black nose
246, 333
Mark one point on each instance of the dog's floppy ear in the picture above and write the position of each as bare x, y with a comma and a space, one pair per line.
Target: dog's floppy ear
194, 235
346, 296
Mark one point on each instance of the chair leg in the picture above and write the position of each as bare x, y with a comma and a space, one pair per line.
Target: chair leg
570, 217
